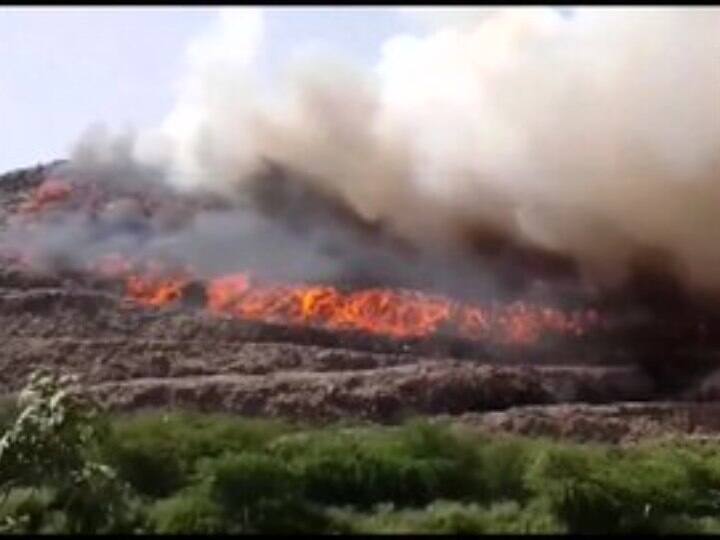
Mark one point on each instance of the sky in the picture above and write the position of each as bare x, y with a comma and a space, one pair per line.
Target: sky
63, 69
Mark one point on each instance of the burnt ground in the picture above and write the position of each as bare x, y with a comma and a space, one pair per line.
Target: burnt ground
133, 358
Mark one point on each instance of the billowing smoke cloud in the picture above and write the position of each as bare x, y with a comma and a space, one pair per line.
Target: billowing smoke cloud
594, 134
602, 130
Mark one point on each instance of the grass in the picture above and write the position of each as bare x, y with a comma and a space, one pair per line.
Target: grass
158, 453
451, 517
206, 474
230, 474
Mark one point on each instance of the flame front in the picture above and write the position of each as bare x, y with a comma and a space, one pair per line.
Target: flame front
149, 284
154, 292
381, 311
396, 313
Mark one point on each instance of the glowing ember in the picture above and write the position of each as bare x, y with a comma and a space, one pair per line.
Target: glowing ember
226, 291
149, 284
154, 292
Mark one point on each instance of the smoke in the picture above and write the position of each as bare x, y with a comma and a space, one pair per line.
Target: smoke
601, 130
594, 135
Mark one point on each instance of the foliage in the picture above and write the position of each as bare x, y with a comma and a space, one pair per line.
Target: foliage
447, 517
66, 469
364, 467
52, 446
158, 453
190, 511
630, 492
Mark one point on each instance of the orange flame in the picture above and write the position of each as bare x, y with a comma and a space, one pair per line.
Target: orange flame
375, 310
394, 313
151, 286
400, 314
154, 292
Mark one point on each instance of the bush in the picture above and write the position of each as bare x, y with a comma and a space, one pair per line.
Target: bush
487, 469
502, 473
260, 493
447, 517
237, 481
189, 512
8, 413
151, 471
625, 492
157, 454
359, 469
52, 447
64, 470
26, 511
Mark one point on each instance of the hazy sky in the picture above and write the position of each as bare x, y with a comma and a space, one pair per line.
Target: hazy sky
62, 69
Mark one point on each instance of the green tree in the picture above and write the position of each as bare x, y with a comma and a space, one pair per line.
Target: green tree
52, 448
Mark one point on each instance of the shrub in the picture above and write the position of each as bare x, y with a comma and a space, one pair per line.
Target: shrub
8, 413
157, 454
259, 492
502, 473
448, 517
53, 446
64, 470
190, 511
239, 480
352, 468
25, 511
638, 492
487, 468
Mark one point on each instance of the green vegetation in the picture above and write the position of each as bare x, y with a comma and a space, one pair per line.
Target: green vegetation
65, 468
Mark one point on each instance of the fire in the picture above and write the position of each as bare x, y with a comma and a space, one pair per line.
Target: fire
395, 313
390, 312
154, 292
149, 284
400, 314
375, 310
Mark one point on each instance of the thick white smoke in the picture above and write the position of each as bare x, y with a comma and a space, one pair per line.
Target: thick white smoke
602, 129
595, 134
209, 132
